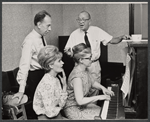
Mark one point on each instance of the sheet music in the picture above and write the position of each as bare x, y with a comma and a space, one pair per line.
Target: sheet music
126, 77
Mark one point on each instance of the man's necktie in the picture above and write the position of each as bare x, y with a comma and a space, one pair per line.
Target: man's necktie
43, 40
86, 40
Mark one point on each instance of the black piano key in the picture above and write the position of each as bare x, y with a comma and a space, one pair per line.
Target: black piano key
112, 113
111, 116
113, 105
112, 110
113, 98
113, 102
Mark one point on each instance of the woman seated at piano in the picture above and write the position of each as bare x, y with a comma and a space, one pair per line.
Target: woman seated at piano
50, 97
79, 105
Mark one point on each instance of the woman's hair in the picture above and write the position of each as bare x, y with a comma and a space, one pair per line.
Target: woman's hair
80, 51
47, 56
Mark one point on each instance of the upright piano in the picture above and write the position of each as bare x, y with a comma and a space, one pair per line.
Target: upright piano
138, 100
139, 93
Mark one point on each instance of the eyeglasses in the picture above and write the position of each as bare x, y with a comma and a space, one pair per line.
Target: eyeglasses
84, 20
89, 58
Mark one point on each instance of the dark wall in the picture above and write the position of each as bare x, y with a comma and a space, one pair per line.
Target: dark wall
68, 62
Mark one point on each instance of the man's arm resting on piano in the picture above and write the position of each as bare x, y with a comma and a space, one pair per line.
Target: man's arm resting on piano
100, 87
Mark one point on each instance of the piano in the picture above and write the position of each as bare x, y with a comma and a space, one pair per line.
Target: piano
113, 109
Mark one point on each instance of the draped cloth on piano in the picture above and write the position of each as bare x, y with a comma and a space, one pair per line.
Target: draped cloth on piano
128, 76
72, 109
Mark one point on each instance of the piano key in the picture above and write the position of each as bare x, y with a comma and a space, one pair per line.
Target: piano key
105, 108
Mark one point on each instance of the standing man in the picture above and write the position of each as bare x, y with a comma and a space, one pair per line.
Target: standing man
92, 36
30, 72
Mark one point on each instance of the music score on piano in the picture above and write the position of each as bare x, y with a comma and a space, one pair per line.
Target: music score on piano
113, 109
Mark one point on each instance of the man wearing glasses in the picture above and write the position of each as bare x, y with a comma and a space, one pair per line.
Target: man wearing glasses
92, 36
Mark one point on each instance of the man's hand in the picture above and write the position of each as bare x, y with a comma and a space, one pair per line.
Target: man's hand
126, 37
68, 52
119, 39
18, 95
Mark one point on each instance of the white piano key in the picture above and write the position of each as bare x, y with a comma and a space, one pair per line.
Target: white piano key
105, 108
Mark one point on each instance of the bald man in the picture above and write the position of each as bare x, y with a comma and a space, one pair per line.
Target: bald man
95, 36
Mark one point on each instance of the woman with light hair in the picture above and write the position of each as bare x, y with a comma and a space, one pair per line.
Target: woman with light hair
80, 105
50, 97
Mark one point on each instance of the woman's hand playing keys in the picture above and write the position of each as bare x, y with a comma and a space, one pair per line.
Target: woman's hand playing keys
108, 92
104, 97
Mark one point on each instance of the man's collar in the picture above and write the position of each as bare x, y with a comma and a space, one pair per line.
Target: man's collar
87, 30
36, 33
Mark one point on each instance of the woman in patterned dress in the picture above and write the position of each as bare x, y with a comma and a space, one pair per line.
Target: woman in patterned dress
50, 97
80, 105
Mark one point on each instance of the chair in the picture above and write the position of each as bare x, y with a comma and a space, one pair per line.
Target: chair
9, 84
14, 112
20, 114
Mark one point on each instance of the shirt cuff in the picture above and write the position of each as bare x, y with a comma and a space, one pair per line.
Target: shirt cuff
107, 40
22, 88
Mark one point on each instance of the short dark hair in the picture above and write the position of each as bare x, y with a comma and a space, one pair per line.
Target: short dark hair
40, 16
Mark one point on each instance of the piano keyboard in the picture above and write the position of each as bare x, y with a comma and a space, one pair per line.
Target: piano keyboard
105, 108
113, 109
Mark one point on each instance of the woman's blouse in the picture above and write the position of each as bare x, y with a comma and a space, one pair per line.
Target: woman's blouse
87, 81
48, 98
